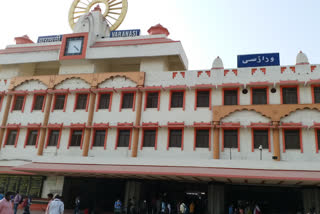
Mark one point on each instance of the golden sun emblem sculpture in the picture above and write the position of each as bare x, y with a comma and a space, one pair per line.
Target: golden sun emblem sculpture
113, 10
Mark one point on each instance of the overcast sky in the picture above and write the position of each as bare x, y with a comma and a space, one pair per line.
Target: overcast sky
206, 28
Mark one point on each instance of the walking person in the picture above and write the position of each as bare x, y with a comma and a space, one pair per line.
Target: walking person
5, 205
56, 206
50, 198
26, 204
77, 205
16, 201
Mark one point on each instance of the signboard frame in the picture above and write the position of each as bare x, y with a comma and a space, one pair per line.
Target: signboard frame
125, 33
259, 60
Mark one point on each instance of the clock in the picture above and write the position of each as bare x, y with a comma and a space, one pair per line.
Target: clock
74, 46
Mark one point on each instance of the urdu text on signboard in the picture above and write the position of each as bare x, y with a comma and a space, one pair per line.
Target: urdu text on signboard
258, 60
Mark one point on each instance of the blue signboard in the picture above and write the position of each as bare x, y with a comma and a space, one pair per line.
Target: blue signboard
54, 38
125, 33
258, 60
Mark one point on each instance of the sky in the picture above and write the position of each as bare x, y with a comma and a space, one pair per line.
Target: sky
206, 28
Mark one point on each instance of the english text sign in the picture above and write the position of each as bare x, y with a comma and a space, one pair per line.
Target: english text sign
54, 38
124, 33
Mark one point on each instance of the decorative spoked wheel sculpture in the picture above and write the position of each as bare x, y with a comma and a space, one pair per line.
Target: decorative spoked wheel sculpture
114, 11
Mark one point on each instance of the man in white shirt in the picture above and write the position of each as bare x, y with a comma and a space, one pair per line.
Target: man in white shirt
56, 206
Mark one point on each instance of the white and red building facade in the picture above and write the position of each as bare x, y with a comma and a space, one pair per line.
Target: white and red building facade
128, 108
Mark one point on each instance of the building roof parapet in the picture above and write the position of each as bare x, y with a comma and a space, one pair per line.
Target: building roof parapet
130, 42
241, 77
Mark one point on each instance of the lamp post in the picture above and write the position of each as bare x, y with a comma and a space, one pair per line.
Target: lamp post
260, 148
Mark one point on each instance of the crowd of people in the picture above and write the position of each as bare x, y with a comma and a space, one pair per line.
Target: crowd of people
246, 208
10, 203
157, 206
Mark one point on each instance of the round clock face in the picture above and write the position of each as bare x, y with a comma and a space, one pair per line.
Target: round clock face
74, 46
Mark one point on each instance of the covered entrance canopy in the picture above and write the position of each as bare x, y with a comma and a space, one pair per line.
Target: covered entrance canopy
177, 173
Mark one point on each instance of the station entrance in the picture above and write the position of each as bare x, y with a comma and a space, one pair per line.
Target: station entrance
271, 199
99, 194
174, 193
96, 194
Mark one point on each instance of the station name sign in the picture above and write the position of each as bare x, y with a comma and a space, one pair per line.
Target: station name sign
258, 60
124, 33
53, 38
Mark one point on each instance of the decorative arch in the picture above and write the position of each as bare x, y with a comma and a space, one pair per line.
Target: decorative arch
17, 81
291, 111
93, 80
127, 83
61, 78
136, 77
31, 85
220, 112
246, 110
274, 112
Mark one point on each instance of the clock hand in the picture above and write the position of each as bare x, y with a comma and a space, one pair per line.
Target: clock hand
76, 48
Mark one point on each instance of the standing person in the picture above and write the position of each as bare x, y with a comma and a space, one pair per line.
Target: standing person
183, 208
56, 206
16, 201
50, 197
169, 208
256, 210
191, 207
77, 205
26, 204
231, 209
117, 207
5, 205
163, 207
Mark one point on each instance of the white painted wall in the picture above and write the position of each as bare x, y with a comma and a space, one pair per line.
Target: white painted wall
76, 67
163, 116
52, 184
156, 75
26, 117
